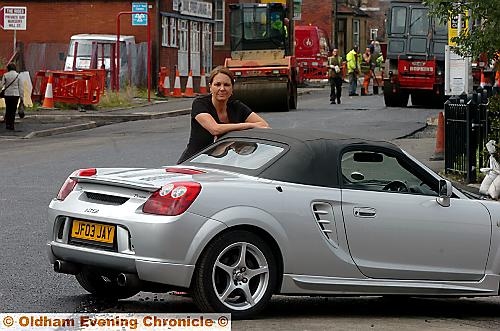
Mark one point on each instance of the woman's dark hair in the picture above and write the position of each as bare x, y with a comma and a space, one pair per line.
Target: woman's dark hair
221, 70
11, 66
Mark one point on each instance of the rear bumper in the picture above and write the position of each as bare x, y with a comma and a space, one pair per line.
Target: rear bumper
159, 249
147, 270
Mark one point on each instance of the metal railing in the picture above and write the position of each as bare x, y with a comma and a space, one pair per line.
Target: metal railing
466, 134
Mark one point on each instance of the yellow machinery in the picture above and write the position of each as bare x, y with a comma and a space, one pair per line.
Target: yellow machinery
262, 56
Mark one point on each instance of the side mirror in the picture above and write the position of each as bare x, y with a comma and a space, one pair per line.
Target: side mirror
445, 192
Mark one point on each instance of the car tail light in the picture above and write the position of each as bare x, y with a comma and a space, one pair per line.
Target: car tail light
172, 199
70, 184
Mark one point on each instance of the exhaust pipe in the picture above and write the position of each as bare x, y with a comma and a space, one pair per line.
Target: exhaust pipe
128, 280
64, 267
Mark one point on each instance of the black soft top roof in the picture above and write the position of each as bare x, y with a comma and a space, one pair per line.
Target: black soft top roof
312, 156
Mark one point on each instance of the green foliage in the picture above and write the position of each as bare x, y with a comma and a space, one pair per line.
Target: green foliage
484, 37
142, 93
494, 117
112, 99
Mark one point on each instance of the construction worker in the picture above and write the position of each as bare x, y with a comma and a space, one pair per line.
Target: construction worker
353, 69
377, 72
335, 76
366, 69
285, 27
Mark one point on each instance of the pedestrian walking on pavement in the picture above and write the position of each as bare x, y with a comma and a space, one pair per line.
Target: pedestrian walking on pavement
353, 69
217, 113
335, 76
13, 89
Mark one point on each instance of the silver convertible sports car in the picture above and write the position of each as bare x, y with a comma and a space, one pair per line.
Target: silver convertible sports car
270, 211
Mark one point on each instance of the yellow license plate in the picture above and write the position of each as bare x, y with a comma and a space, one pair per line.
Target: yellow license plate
93, 231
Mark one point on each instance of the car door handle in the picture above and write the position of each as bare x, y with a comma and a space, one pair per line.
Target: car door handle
364, 212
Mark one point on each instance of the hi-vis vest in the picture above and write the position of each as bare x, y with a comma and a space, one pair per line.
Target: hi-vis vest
335, 61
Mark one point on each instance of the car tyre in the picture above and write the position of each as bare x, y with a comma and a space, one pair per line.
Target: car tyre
104, 286
235, 274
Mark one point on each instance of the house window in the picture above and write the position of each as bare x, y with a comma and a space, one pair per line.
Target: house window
173, 32
195, 48
373, 34
219, 22
183, 48
165, 32
355, 32
169, 31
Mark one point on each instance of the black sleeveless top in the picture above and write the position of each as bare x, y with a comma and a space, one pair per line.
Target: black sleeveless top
237, 112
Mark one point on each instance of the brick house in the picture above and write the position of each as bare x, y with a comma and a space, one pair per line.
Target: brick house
181, 32
185, 34
358, 22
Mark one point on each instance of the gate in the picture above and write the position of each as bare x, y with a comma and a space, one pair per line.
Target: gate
466, 134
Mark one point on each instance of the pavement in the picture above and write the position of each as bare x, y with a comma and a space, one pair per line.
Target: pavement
40, 123
48, 122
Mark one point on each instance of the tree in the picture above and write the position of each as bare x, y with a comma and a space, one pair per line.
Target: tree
483, 35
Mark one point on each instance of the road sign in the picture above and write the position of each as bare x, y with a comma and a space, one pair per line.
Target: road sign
140, 19
458, 73
453, 28
13, 18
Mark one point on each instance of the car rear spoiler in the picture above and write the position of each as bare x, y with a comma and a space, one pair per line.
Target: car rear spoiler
116, 182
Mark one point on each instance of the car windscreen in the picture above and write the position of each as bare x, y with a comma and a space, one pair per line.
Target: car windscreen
240, 154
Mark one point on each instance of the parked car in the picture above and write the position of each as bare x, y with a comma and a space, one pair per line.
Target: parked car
276, 211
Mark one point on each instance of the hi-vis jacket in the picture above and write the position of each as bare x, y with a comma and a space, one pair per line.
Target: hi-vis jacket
353, 61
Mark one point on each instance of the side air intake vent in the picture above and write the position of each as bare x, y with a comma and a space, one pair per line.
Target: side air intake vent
325, 218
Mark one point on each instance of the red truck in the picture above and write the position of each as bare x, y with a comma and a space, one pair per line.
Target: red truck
311, 51
415, 61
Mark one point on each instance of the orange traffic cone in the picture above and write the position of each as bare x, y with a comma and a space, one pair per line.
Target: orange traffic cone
203, 82
177, 85
439, 150
166, 85
189, 92
48, 100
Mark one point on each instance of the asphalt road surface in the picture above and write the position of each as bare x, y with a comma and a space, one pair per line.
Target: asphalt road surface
32, 171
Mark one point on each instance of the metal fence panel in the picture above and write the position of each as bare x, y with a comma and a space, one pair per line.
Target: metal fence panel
466, 134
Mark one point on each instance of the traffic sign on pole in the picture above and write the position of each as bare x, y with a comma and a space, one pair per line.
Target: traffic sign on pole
455, 25
13, 18
139, 19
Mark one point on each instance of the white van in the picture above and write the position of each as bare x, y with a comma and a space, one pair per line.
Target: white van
94, 50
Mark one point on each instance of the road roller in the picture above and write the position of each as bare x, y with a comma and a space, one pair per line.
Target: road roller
262, 57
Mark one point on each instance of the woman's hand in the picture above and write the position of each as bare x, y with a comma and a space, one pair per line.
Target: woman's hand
257, 121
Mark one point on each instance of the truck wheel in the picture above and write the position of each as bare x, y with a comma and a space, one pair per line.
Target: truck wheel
402, 99
390, 98
417, 99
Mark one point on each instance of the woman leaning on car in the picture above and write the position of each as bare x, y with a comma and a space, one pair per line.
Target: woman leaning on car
217, 113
